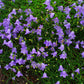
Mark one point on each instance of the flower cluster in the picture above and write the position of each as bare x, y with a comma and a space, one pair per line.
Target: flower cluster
25, 34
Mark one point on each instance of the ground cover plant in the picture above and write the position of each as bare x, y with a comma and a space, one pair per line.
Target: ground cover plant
41, 42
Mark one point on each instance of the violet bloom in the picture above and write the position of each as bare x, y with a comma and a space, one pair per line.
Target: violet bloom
33, 51
19, 74
12, 63
82, 44
24, 50
82, 22
27, 66
82, 54
67, 10
38, 53
51, 15
44, 75
44, 54
1, 51
61, 47
41, 66
28, 11
7, 67
49, 7
29, 56
77, 46
13, 78
58, 82
41, 26
27, 31
14, 50
63, 55
20, 61
77, 70
72, 75
39, 38
13, 69
47, 2
54, 54
72, 35
34, 64
80, 1
56, 20
64, 74
60, 68
68, 17
38, 31
60, 8
42, 49
0, 66
17, 22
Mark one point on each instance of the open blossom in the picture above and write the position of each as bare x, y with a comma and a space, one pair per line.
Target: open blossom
60, 68
58, 82
82, 54
63, 55
61, 47
77, 70
19, 74
63, 74
44, 75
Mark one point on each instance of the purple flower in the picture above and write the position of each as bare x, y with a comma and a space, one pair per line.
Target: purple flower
67, 10
58, 82
29, 56
77, 46
17, 22
47, 2
0, 66
63, 55
61, 47
33, 51
27, 66
38, 53
41, 26
77, 70
44, 54
54, 54
82, 22
44, 75
42, 49
28, 11
1, 51
60, 8
27, 31
82, 54
20, 61
60, 68
14, 50
56, 20
41, 66
49, 8
24, 50
64, 74
7, 67
72, 35
34, 64
68, 17
72, 75
12, 63
13, 78
19, 74
80, 1
51, 15
38, 31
